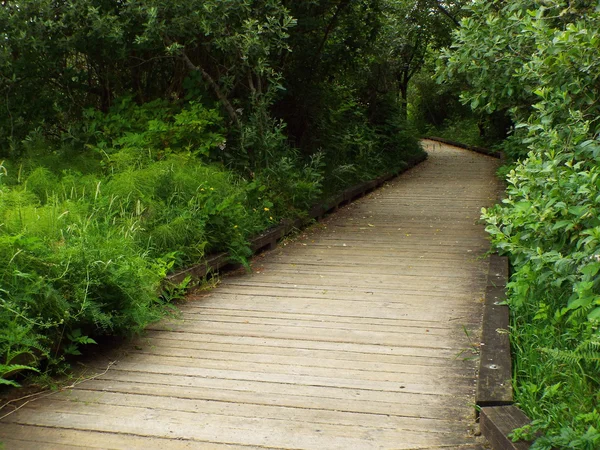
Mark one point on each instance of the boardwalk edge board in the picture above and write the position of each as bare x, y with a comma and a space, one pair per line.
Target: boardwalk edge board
497, 422
473, 148
268, 240
498, 417
494, 385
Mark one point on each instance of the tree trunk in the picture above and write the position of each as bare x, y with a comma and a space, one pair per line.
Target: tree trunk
403, 86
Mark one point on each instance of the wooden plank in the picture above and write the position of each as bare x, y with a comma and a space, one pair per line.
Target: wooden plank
246, 291
254, 410
332, 307
497, 422
197, 426
498, 271
415, 362
425, 381
48, 438
494, 386
216, 313
212, 263
386, 273
268, 239
355, 192
225, 398
199, 315
420, 341
420, 367
146, 365
403, 348
405, 404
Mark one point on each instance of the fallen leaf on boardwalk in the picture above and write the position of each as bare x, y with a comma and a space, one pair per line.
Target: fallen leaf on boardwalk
370, 225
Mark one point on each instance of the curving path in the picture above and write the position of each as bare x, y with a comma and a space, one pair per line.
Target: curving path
360, 334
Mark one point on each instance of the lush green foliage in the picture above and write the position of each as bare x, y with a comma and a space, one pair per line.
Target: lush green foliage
84, 253
540, 61
139, 136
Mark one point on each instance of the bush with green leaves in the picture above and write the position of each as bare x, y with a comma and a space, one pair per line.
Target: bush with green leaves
83, 255
540, 59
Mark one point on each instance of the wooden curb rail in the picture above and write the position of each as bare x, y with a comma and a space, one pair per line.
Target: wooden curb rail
498, 417
268, 240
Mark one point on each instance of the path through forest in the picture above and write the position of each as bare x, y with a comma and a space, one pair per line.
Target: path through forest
359, 334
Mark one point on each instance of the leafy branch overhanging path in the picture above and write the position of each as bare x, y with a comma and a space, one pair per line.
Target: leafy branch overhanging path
361, 334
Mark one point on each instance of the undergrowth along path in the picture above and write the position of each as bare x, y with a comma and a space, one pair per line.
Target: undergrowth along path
362, 333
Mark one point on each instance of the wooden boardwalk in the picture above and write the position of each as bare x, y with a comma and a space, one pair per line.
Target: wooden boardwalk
360, 334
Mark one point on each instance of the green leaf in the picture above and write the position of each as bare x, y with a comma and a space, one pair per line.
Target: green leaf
4, 382
580, 302
578, 210
595, 314
522, 206
566, 224
591, 269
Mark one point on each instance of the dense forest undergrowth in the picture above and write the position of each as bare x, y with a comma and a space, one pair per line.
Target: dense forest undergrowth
136, 137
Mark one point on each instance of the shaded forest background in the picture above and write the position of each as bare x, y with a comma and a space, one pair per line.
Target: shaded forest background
136, 137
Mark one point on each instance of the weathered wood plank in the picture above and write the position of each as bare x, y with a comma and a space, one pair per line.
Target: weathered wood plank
410, 362
494, 386
423, 382
497, 422
424, 339
421, 367
262, 411
311, 344
47, 438
197, 426
265, 392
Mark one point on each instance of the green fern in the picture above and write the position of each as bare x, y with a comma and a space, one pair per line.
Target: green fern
11, 370
587, 352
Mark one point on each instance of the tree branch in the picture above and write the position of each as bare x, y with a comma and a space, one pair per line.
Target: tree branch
445, 12
215, 87
343, 4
